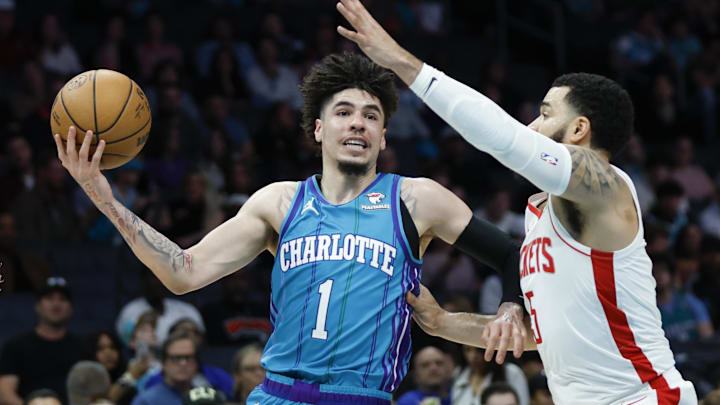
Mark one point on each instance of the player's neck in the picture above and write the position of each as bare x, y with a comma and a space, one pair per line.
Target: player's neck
339, 188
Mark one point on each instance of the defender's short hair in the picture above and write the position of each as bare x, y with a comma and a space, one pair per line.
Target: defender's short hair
338, 72
605, 103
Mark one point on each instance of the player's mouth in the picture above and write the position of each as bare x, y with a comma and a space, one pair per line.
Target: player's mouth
355, 143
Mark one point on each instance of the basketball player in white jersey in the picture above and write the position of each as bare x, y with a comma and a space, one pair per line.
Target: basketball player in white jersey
585, 275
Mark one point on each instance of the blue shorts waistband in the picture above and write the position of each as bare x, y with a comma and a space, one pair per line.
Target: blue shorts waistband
291, 389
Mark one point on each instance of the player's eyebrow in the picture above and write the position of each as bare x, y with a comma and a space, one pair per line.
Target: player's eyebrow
545, 104
343, 103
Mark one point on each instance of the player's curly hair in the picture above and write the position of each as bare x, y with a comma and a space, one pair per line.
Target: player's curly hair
607, 105
337, 72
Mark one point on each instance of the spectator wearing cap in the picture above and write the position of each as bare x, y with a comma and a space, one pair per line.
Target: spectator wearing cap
43, 396
42, 357
217, 377
180, 372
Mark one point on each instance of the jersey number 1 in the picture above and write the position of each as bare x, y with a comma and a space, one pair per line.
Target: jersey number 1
325, 289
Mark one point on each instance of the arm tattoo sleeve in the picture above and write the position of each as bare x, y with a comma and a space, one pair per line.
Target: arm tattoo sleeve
591, 175
143, 238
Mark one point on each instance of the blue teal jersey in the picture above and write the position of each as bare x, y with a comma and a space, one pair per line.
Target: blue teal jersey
339, 281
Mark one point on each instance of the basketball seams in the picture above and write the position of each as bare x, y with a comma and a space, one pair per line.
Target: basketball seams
127, 101
95, 133
131, 135
62, 101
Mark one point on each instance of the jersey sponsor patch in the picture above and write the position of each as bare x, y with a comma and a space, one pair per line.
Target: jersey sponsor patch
375, 199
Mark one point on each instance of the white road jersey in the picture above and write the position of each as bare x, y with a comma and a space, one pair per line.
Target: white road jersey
593, 314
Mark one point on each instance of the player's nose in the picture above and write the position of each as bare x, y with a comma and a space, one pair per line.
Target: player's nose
357, 123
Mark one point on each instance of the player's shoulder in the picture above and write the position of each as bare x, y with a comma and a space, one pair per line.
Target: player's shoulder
419, 187
274, 192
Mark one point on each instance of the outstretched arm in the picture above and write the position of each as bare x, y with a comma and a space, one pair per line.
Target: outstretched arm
574, 173
460, 327
227, 248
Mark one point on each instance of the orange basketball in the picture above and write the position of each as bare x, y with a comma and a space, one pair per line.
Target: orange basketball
110, 104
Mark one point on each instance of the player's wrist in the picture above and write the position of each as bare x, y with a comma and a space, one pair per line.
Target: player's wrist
406, 66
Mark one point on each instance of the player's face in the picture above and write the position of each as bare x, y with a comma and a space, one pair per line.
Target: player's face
555, 115
351, 130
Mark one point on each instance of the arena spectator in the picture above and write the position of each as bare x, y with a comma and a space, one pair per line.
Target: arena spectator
155, 47
180, 373
499, 394
56, 52
22, 270
20, 174
42, 357
709, 217
432, 373
215, 376
247, 371
14, 48
193, 215
237, 318
539, 391
692, 177
43, 396
669, 210
272, 80
222, 35
45, 213
115, 51
684, 316
169, 310
87, 381
478, 375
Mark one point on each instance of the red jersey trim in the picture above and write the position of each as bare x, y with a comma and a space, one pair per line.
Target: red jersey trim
604, 273
534, 210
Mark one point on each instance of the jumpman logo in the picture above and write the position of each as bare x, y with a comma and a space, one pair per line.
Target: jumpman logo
309, 207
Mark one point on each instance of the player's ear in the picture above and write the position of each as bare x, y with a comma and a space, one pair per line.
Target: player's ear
580, 130
318, 130
383, 144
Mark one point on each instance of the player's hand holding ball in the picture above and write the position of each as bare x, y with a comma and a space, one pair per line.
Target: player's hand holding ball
85, 172
109, 115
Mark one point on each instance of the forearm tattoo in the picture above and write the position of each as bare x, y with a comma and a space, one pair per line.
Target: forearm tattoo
591, 174
141, 236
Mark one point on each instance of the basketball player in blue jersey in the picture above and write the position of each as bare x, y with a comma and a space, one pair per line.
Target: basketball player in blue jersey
348, 246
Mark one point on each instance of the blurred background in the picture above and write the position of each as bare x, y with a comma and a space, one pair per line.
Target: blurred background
222, 77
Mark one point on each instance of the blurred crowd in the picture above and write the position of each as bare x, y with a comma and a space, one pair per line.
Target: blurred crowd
222, 78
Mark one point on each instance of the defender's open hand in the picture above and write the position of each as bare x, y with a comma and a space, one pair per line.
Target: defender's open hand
375, 42
508, 325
